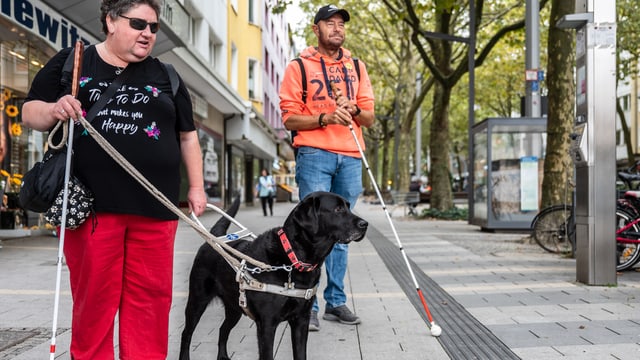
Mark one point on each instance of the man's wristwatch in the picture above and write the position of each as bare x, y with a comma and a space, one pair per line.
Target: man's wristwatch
321, 121
358, 111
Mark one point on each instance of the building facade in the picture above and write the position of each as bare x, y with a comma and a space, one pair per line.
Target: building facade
216, 47
628, 96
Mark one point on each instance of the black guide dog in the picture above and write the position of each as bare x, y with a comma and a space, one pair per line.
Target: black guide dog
318, 222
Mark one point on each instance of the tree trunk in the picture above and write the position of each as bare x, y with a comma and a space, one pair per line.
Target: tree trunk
558, 165
441, 197
626, 132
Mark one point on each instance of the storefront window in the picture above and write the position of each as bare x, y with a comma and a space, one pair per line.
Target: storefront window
237, 173
211, 145
20, 147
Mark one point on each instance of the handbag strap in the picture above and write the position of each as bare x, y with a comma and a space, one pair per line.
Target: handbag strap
97, 106
108, 94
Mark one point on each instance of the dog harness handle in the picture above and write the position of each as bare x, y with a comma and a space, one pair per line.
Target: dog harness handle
297, 264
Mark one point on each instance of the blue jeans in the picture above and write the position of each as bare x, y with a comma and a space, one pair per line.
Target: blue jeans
320, 170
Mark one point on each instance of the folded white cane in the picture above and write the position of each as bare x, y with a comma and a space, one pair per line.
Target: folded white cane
77, 65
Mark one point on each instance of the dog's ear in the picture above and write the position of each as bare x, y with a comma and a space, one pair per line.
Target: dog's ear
305, 215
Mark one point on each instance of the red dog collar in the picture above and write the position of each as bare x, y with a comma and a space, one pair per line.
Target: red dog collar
298, 265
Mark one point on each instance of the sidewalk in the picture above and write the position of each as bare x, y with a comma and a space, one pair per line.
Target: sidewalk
525, 298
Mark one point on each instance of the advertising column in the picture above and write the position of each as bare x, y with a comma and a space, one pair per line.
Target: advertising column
593, 142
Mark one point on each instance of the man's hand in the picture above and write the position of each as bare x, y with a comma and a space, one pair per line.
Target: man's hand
345, 109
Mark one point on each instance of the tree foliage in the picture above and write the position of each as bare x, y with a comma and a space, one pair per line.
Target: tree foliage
627, 55
395, 39
398, 39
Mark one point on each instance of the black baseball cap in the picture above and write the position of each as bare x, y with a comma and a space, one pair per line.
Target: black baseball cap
328, 11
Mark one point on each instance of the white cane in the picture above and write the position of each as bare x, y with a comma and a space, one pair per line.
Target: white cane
435, 329
77, 64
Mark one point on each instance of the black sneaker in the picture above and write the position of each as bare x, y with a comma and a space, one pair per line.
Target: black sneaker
341, 314
314, 324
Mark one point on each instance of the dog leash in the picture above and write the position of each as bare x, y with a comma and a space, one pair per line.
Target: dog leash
218, 245
245, 281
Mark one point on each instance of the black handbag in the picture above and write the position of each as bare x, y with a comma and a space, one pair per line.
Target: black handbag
44, 182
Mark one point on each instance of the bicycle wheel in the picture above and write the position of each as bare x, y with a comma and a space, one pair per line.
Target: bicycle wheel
627, 254
554, 229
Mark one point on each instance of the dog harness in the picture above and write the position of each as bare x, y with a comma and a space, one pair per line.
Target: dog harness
248, 282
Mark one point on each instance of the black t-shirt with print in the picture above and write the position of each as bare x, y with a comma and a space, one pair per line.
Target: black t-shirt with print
142, 121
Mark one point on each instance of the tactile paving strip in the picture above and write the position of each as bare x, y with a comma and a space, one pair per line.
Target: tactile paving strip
463, 337
14, 341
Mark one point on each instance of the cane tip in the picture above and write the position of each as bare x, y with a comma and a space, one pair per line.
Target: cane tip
435, 330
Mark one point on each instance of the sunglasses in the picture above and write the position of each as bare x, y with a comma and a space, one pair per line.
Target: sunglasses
140, 24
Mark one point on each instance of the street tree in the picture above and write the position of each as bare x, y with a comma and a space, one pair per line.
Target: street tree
439, 28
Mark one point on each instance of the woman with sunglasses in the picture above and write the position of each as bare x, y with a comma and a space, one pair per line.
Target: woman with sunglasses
121, 263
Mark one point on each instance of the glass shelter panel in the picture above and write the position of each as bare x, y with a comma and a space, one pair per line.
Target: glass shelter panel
480, 172
508, 169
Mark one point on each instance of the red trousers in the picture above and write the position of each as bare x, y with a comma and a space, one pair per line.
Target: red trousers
124, 267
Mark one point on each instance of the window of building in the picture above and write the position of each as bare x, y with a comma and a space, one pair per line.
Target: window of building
267, 114
213, 54
625, 102
272, 73
252, 85
193, 30
252, 11
266, 61
234, 66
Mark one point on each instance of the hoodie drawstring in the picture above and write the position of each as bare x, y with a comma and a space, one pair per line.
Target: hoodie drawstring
348, 83
327, 82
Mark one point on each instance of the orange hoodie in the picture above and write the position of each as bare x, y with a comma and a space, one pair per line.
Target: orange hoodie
320, 72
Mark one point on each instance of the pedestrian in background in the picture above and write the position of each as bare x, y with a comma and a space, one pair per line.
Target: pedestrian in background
327, 156
266, 191
122, 264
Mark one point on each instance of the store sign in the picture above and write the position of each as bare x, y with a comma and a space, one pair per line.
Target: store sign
41, 20
176, 18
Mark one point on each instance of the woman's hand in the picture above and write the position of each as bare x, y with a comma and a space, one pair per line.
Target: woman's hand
197, 200
66, 107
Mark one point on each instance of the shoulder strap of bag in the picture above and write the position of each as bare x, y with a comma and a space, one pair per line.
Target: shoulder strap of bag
303, 73
356, 63
173, 77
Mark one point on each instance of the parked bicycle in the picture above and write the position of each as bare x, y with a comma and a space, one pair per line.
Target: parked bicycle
554, 227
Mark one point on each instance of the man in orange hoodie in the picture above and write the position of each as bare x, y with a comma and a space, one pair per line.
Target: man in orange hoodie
327, 156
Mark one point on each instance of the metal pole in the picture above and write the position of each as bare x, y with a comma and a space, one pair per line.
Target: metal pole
532, 59
418, 170
472, 77
396, 141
